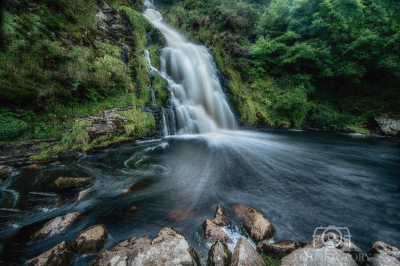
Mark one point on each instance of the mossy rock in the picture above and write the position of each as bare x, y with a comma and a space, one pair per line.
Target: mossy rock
67, 182
4, 174
91, 240
61, 255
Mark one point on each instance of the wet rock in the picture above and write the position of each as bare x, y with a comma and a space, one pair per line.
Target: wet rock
91, 240
382, 260
388, 126
33, 166
219, 255
3, 174
341, 243
84, 193
278, 250
257, 226
62, 254
154, 37
55, 226
122, 254
67, 182
213, 233
221, 216
168, 248
325, 256
379, 253
246, 255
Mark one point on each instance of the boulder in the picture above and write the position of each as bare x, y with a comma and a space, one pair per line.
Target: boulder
382, 260
246, 255
257, 226
62, 254
83, 194
379, 253
326, 256
390, 127
122, 254
278, 250
91, 240
221, 216
168, 248
213, 233
219, 255
341, 243
67, 182
55, 226
3, 174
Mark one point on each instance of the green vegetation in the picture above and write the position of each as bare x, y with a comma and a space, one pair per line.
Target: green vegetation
270, 261
11, 127
325, 62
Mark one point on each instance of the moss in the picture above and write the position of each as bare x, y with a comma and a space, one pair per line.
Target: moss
159, 84
270, 261
109, 49
139, 123
359, 129
11, 127
66, 182
139, 66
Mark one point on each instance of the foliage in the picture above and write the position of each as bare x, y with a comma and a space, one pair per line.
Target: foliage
11, 127
270, 261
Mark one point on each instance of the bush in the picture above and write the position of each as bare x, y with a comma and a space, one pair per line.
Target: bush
11, 127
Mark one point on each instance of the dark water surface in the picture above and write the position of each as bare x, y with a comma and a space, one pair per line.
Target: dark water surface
299, 180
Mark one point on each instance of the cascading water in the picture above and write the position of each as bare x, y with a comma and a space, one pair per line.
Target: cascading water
197, 100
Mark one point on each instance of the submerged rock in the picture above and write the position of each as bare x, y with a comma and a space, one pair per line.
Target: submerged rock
122, 254
55, 226
213, 233
91, 240
388, 126
380, 252
325, 256
246, 255
67, 182
278, 250
168, 248
257, 226
221, 216
219, 255
62, 254
83, 194
341, 243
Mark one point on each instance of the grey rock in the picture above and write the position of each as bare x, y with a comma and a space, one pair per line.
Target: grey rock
379, 252
278, 250
213, 233
62, 254
246, 255
219, 255
388, 126
325, 256
55, 226
221, 216
68, 182
91, 240
122, 254
168, 248
382, 260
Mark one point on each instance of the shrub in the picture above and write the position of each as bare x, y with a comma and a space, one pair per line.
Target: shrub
11, 127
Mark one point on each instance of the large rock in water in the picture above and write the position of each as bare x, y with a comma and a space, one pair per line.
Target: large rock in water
221, 216
325, 256
341, 243
213, 233
62, 254
381, 254
122, 254
84, 193
219, 255
168, 248
246, 255
55, 226
278, 250
91, 240
67, 182
390, 127
257, 226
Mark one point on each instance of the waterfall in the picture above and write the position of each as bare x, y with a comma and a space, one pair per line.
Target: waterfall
197, 100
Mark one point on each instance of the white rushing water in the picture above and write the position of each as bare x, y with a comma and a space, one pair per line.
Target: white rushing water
198, 102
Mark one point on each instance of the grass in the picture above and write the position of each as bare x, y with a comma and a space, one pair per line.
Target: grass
270, 261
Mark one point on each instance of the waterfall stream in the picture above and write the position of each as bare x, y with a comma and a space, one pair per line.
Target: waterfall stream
197, 101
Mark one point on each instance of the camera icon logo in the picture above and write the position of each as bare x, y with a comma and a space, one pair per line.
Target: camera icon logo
333, 235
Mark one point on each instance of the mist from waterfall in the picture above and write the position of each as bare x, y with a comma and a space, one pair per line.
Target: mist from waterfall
197, 100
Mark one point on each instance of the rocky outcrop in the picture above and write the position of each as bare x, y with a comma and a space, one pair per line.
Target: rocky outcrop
278, 250
91, 240
380, 252
338, 242
62, 254
122, 254
388, 126
246, 255
257, 226
382, 260
68, 182
168, 248
219, 255
84, 193
325, 256
221, 216
55, 226
213, 233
